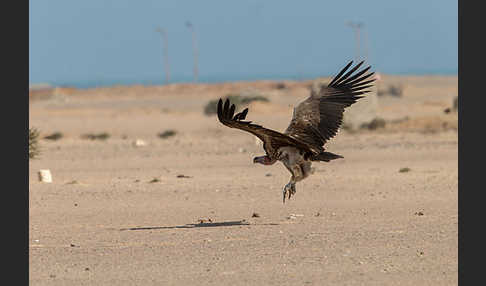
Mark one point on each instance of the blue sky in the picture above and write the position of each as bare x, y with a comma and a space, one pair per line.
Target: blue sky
101, 41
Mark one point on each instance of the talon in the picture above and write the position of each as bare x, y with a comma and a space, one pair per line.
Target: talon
288, 191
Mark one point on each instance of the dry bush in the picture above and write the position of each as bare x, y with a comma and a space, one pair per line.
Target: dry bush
100, 136
167, 133
374, 124
392, 90
34, 150
54, 136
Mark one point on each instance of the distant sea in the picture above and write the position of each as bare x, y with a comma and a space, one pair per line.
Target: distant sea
91, 83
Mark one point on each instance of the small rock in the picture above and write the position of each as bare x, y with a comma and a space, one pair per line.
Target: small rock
268, 175
419, 213
255, 215
294, 216
45, 176
139, 143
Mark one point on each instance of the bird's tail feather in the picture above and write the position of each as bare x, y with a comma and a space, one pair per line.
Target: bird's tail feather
325, 156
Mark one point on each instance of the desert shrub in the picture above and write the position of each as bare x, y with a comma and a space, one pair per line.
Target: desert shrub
167, 133
374, 124
100, 136
404, 170
280, 85
54, 136
392, 90
236, 99
34, 149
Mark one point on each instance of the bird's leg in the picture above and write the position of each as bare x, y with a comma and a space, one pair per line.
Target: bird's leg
297, 175
289, 189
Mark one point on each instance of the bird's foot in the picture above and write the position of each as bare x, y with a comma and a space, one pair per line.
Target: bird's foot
289, 190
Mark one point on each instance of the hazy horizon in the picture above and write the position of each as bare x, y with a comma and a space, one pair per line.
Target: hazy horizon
114, 42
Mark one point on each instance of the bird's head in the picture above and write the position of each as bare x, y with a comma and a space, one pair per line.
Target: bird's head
265, 160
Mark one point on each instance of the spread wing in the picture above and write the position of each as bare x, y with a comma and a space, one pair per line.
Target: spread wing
318, 118
272, 139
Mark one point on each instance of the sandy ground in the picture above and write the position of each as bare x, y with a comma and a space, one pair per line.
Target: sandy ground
355, 221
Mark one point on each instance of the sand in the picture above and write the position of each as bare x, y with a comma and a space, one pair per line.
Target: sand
192, 209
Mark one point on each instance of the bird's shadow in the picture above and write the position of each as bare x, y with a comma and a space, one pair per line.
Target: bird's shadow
196, 225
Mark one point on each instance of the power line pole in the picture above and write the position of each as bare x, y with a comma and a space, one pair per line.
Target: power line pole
357, 29
194, 48
163, 32
366, 47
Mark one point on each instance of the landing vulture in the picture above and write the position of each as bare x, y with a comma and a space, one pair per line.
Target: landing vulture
314, 121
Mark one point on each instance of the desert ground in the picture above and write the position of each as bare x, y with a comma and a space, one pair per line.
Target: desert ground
192, 208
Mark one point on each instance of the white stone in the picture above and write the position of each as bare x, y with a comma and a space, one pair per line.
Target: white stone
45, 176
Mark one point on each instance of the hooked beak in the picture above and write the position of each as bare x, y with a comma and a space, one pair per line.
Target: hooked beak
258, 160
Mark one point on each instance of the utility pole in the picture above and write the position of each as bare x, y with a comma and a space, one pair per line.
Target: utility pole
194, 48
163, 32
357, 29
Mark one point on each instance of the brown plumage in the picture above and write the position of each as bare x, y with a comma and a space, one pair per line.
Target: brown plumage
315, 120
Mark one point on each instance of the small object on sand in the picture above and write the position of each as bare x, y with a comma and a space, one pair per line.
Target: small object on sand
45, 176
294, 216
268, 175
255, 215
154, 180
203, 220
167, 134
54, 136
183, 176
139, 143
404, 170
419, 213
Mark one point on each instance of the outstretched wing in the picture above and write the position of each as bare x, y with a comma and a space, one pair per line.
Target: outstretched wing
318, 118
272, 139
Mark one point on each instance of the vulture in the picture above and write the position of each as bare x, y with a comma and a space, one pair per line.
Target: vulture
315, 120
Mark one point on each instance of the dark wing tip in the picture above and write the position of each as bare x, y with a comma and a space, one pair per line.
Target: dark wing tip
231, 112
338, 76
244, 113
220, 109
